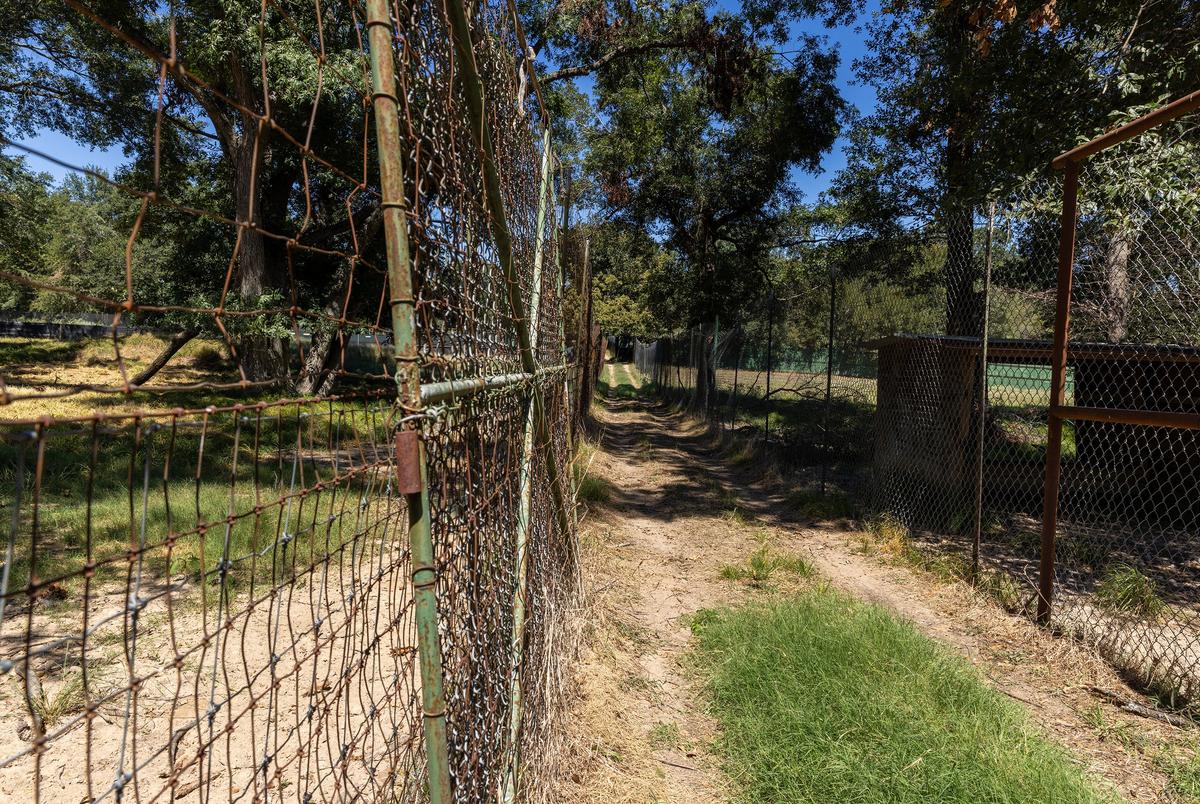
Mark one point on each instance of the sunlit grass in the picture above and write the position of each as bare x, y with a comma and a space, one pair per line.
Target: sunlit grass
219, 499
1125, 589
763, 564
823, 699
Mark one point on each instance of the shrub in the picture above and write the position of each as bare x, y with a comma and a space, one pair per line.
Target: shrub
1125, 589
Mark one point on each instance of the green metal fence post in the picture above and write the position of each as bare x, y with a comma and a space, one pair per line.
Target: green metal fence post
408, 386
473, 90
525, 504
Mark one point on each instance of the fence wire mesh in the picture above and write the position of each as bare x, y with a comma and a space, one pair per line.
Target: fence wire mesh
207, 588
926, 398
1126, 570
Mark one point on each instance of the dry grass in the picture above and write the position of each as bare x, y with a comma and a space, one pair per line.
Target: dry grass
52, 704
610, 762
49, 367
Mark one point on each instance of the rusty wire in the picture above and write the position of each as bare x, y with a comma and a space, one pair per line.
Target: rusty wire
206, 588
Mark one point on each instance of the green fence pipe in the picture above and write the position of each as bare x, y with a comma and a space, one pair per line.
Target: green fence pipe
408, 386
525, 505
473, 90
433, 393
562, 343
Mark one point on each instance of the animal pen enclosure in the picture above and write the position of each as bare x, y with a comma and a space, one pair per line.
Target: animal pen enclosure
1058, 473
270, 571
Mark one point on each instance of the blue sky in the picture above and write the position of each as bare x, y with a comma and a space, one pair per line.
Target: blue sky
65, 149
850, 43
847, 39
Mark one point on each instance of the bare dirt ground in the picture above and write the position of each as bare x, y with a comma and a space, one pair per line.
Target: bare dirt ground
654, 551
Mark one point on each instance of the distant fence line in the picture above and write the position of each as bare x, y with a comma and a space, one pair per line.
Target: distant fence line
1056, 466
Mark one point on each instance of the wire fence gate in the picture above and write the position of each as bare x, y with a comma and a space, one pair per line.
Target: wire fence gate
1024, 416
319, 544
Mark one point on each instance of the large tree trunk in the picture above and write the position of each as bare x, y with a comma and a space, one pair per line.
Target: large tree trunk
963, 306
962, 302
262, 357
177, 342
1118, 290
316, 374
700, 366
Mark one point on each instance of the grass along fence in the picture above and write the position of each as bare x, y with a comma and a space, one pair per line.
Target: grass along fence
960, 439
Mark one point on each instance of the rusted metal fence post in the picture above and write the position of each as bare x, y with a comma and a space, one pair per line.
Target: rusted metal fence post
1058, 387
983, 391
409, 449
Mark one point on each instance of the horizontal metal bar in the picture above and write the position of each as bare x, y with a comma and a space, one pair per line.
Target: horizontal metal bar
434, 392
1144, 418
1163, 114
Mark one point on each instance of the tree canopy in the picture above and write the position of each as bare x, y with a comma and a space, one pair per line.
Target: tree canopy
683, 127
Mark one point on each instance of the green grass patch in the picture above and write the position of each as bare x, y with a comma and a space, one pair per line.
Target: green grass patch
224, 499
824, 699
594, 489
1125, 589
665, 735
621, 380
763, 564
1182, 769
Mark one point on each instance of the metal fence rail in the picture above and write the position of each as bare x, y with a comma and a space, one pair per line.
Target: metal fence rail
956, 415
281, 568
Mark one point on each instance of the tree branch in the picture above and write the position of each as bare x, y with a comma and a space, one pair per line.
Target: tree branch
616, 53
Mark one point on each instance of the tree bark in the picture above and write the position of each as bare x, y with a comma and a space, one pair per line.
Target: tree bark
315, 373
1118, 291
261, 356
962, 302
177, 342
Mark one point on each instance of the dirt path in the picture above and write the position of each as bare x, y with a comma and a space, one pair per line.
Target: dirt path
654, 550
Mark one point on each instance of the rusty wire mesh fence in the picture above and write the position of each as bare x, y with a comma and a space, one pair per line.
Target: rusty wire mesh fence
1125, 516
933, 414
297, 525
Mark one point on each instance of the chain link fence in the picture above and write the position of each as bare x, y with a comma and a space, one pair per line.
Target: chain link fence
927, 398
313, 540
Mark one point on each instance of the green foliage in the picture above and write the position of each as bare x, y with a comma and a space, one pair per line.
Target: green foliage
762, 565
71, 76
698, 152
821, 698
665, 735
25, 211
1124, 589
628, 283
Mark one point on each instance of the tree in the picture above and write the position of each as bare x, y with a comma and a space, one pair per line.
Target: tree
24, 214
976, 96
698, 152
245, 97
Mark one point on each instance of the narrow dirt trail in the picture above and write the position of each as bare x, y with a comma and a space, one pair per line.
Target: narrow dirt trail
654, 551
